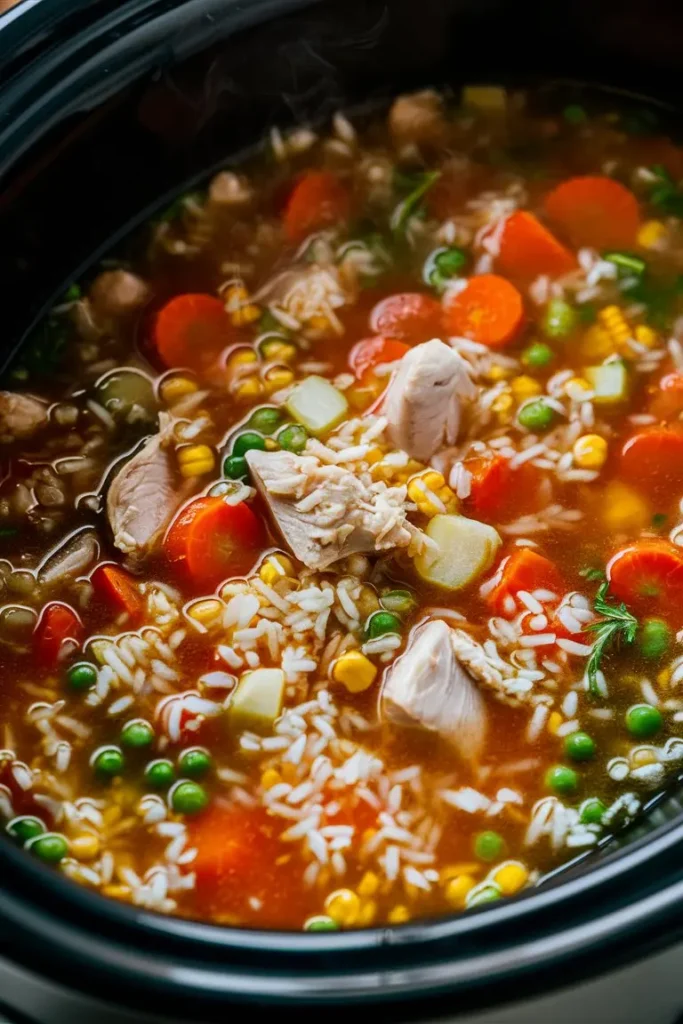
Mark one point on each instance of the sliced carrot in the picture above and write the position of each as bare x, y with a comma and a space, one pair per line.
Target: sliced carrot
488, 309
211, 541
318, 199
499, 492
528, 249
652, 460
408, 316
594, 211
648, 575
667, 401
526, 570
191, 330
57, 624
119, 590
371, 352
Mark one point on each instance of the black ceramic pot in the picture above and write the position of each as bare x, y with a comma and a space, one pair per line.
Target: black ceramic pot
107, 108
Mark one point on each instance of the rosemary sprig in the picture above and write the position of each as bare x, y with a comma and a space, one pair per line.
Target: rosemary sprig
616, 626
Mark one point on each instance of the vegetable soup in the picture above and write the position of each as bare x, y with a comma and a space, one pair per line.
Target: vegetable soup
341, 545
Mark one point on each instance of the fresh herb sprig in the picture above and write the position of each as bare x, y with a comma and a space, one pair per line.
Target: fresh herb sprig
411, 206
616, 626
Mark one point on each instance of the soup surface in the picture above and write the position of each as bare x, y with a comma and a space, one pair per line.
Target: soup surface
340, 525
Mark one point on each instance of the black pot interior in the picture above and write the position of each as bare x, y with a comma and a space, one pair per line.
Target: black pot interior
108, 110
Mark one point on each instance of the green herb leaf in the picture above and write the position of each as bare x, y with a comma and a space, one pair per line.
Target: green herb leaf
616, 626
412, 203
659, 520
590, 572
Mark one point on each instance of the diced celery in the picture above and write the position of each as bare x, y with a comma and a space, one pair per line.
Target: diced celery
465, 548
317, 405
257, 701
609, 381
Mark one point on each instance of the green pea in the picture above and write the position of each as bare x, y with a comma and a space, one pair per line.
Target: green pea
536, 415
188, 797
575, 114
562, 780
488, 846
400, 602
137, 733
293, 438
450, 262
559, 319
51, 847
266, 420
159, 773
654, 638
380, 623
235, 467
247, 442
537, 355
321, 923
81, 676
25, 827
591, 811
489, 894
195, 762
108, 762
579, 746
643, 720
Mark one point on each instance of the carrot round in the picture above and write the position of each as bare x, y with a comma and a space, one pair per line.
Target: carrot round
523, 570
594, 211
528, 249
652, 459
58, 622
118, 589
317, 200
409, 316
648, 575
191, 330
488, 309
371, 352
212, 541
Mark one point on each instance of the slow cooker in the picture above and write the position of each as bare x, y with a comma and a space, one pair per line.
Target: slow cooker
108, 108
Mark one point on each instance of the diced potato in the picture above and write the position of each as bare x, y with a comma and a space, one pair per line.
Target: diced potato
126, 391
317, 405
609, 381
257, 701
489, 99
465, 549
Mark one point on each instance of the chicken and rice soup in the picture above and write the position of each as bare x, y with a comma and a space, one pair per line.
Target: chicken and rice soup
340, 524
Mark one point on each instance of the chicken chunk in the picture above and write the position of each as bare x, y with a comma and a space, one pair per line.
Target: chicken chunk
117, 293
21, 415
417, 119
423, 401
145, 494
428, 687
325, 512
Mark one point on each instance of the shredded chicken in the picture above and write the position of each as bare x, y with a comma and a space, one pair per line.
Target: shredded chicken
21, 415
482, 661
418, 119
325, 512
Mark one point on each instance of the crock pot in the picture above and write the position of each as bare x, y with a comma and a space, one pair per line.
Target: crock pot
108, 108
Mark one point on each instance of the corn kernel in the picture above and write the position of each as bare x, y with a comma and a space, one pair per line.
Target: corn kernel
343, 906
596, 344
248, 389
651, 233
511, 877
524, 387
497, 373
643, 756
280, 351
577, 388
645, 336
275, 568
242, 357
590, 451
623, 508
277, 378
398, 914
117, 892
368, 912
174, 388
431, 495
502, 405
664, 677
110, 815
195, 460
270, 778
616, 325
319, 323
373, 456
457, 889
206, 611
242, 312
461, 868
354, 671
554, 722
368, 885
85, 847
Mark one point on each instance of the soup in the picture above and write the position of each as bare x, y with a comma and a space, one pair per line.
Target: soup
340, 525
